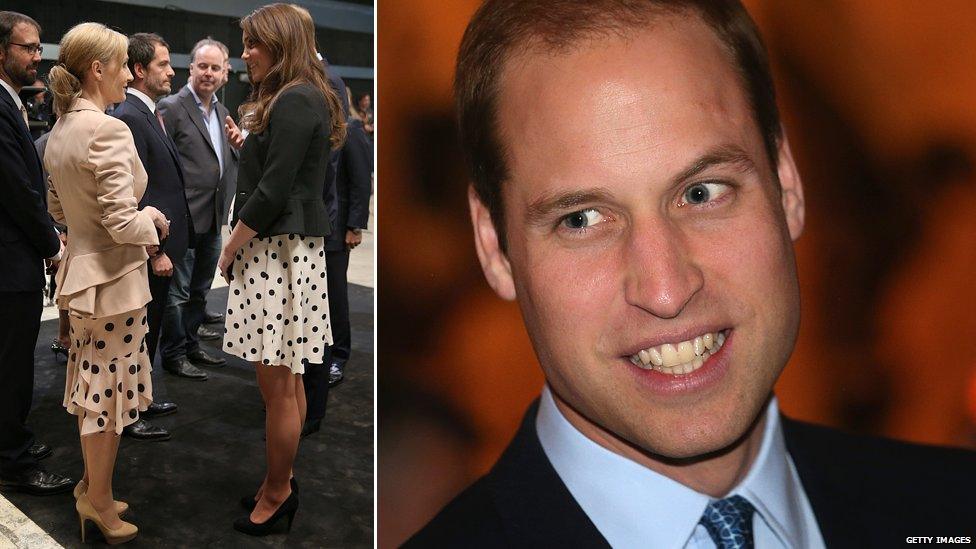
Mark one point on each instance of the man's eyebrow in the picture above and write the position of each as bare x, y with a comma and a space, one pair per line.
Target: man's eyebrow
725, 155
542, 207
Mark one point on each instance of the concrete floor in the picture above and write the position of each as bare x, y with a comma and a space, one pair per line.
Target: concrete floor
184, 492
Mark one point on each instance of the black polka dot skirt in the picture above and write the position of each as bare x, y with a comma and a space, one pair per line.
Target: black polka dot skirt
277, 304
108, 378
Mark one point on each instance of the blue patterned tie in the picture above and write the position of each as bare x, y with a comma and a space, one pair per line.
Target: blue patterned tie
729, 522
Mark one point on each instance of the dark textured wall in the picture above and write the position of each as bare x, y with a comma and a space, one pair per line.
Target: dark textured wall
181, 30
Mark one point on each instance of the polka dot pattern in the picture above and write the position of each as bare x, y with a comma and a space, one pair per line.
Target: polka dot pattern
277, 305
108, 373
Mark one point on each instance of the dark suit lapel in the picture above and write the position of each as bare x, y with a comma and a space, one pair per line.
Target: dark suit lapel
193, 111
25, 132
533, 501
136, 103
833, 492
19, 118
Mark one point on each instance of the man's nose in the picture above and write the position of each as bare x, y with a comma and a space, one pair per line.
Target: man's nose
661, 276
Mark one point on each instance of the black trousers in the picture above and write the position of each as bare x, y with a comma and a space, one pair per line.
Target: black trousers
22, 311
316, 382
336, 267
159, 289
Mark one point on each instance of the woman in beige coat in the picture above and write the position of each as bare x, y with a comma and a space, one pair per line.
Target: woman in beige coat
96, 181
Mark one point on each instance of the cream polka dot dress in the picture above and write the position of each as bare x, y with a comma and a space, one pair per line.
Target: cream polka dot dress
108, 374
277, 303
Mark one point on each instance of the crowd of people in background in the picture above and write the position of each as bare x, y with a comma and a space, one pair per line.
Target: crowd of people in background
124, 201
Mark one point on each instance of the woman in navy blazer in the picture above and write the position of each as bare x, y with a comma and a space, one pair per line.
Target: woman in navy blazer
277, 307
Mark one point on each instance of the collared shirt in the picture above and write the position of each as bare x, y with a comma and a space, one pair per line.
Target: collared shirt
10, 90
633, 506
214, 125
144, 98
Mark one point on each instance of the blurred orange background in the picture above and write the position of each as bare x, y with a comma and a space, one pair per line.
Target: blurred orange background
879, 101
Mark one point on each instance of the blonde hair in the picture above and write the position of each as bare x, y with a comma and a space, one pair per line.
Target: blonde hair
81, 46
288, 32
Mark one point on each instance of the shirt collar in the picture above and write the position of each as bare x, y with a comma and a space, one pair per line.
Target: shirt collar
632, 505
144, 98
213, 98
19, 104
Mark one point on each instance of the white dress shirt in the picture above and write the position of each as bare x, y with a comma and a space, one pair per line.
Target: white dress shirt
215, 126
144, 98
633, 506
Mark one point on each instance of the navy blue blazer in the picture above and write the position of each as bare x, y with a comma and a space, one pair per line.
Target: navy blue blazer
165, 189
353, 185
865, 492
27, 233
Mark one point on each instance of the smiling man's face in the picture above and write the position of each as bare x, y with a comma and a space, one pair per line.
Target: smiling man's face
649, 242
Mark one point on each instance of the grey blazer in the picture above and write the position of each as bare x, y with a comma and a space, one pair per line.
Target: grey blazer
206, 190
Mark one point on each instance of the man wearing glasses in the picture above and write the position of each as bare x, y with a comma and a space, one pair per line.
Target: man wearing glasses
27, 236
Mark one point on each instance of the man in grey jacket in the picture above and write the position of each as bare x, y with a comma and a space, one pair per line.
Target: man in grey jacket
194, 118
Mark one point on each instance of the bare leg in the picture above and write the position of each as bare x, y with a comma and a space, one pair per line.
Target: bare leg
302, 406
283, 427
84, 451
102, 449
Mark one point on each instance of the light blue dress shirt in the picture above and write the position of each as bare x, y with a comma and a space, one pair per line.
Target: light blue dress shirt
214, 126
633, 506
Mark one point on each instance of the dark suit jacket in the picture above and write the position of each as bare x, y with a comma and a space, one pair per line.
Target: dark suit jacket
26, 232
331, 173
353, 185
282, 170
865, 492
159, 157
206, 189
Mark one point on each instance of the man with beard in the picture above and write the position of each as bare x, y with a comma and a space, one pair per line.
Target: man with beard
195, 120
151, 75
642, 211
27, 236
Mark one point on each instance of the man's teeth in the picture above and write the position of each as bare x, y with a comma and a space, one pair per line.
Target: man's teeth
680, 358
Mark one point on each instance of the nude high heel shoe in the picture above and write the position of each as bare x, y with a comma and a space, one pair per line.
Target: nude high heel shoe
86, 512
82, 488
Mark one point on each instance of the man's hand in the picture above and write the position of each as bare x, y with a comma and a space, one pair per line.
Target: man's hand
234, 135
161, 265
353, 238
152, 249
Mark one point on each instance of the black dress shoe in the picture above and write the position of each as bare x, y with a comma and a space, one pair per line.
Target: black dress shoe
181, 367
157, 409
203, 332
143, 430
202, 357
39, 451
213, 318
311, 427
286, 509
37, 482
335, 374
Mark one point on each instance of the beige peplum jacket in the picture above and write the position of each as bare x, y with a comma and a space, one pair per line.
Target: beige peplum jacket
95, 184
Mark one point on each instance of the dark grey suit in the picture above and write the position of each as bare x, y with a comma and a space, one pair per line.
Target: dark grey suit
206, 192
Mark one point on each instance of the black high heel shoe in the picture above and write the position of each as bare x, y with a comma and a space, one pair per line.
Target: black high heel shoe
58, 349
249, 503
287, 509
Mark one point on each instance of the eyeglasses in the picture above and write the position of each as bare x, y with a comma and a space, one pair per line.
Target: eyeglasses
31, 48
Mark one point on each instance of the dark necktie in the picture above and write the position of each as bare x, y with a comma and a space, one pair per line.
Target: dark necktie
729, 522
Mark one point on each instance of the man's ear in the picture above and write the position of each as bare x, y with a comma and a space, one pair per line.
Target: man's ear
138, 71
792, 189
495, 265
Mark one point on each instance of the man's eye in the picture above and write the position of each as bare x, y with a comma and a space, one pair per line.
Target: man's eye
582, 219
700, 193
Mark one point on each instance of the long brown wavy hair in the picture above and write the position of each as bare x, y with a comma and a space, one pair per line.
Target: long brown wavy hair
287, 31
